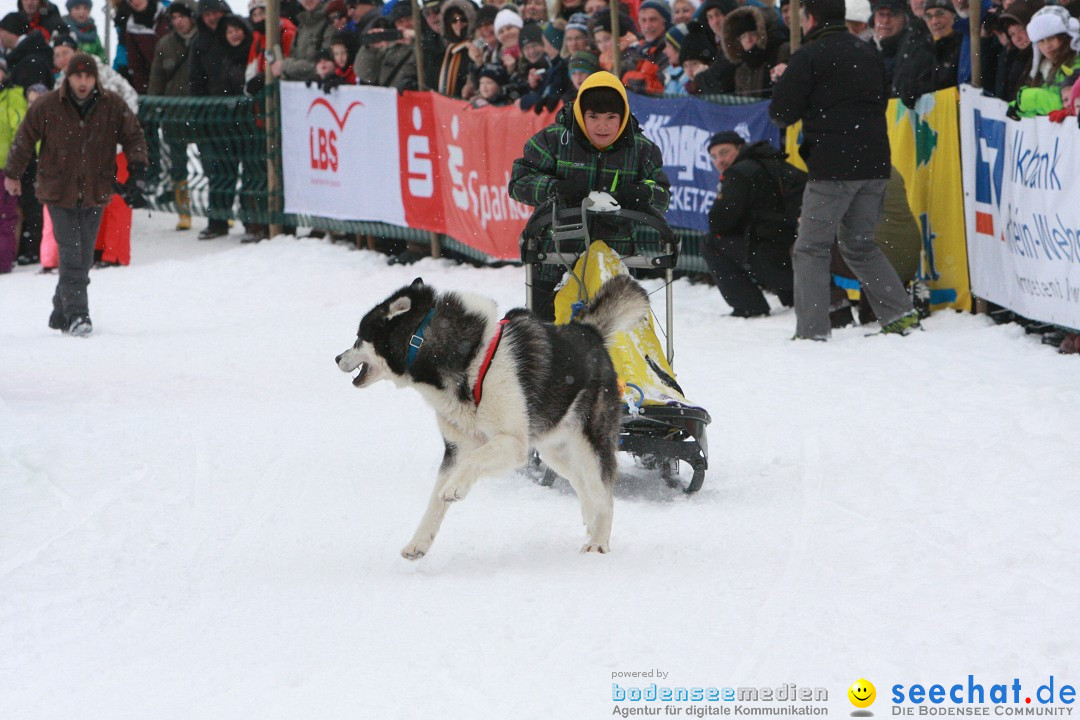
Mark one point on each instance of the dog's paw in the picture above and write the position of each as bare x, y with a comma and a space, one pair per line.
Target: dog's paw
454, 492
413, 551
595, 547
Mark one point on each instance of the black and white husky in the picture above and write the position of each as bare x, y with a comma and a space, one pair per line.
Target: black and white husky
502, 386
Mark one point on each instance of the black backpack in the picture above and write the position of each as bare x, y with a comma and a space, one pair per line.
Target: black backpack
789, 182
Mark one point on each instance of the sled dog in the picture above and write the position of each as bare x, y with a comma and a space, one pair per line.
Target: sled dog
500, 386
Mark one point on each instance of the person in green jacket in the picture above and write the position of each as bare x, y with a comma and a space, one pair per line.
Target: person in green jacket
12, 112
595, 143
1055, 67
83, 28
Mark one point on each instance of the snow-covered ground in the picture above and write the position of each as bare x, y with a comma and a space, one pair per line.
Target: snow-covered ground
200, 517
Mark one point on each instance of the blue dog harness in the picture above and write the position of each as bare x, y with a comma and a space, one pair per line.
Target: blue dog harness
417, 339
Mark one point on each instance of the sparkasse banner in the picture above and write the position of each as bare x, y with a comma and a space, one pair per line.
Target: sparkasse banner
1022, 210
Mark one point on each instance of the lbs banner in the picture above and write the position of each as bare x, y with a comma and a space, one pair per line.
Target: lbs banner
428, 162
1022, 209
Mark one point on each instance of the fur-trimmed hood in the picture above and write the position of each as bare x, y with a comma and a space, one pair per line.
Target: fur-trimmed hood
465, 6
745, 19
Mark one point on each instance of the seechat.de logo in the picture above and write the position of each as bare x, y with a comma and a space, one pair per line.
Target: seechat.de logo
862, 695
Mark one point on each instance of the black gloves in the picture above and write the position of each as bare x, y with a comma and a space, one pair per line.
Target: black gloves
133, 191
634, 196
330, 82
256, 84
571, 191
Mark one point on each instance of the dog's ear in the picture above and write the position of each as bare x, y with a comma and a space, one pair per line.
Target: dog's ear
417, 282
401, 305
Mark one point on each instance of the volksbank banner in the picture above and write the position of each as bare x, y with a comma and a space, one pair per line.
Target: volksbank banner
1022, 210
432, 163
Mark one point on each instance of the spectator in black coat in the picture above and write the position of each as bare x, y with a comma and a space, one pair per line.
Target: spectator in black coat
44, 16
29, 56
835, 84
750, 239
929, 63
891, 21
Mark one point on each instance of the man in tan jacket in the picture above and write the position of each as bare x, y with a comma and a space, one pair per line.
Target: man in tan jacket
78, 127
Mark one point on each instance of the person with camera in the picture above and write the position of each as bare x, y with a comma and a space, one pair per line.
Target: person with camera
386, 57
78, 127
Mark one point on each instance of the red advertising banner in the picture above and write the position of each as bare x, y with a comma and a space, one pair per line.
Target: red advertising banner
456, 163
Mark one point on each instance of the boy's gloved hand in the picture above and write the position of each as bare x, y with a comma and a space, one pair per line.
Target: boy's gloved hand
634, 196
571, 191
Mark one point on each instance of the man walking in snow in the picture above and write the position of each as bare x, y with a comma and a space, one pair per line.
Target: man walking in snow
78, 127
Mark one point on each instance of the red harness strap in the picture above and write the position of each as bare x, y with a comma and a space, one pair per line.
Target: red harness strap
493, 345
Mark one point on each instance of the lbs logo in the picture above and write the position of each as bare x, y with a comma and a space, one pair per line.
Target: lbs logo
322, 141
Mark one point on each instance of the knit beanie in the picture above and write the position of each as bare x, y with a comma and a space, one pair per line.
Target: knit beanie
1050, 21
578, 21
530, 33
659, 6
675, 36
554, 35
725, 137
506, 17
602, 21
485, 15
698, 44
75, 3
15, 24
82, 63
584, 61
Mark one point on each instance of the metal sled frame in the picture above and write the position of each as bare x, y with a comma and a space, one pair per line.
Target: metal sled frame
666, 433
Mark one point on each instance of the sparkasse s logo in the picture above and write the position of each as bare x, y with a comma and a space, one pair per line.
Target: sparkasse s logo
322, 138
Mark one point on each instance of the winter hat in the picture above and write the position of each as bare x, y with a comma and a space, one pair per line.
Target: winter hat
584, 61
400, 11
897, 6
64, 40
254, 4
333, 7
430, 4
554, 35
177, 6
206, 6
724, 6
496, 72
578, 21
485, 15
602, 21
675, 36
659, 6
939, 5
15, 24
743, 20
1050, 21
725, 137
1073, 95
505, 17
530, 33
75, 3
82, 63
694, 4
857, 11
324, 54
698, 44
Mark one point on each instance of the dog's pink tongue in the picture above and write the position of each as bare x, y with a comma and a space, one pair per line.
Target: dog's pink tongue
360, 375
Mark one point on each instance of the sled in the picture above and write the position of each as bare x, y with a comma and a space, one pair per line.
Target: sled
660, 426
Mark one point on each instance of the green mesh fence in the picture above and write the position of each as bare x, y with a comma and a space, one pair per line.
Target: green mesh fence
209, 154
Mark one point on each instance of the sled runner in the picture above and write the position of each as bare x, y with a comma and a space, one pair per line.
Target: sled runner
660, 426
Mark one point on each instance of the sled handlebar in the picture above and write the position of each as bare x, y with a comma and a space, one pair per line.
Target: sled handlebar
571, 224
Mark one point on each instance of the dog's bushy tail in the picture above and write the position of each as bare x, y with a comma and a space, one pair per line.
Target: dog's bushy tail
619, 305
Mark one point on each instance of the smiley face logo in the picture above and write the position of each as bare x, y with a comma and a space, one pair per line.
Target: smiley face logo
862, 693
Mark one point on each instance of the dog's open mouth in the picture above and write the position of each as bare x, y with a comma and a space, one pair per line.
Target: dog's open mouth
361, 375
